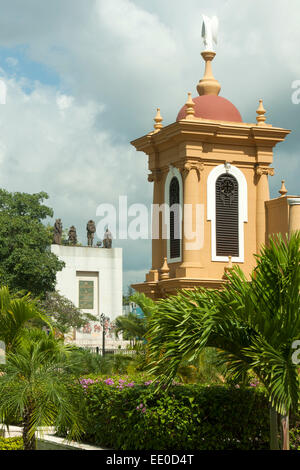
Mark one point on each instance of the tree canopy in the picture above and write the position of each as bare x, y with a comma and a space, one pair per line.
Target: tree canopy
62, 312
26, 262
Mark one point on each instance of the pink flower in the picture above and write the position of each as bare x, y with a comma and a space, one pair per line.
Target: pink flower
109, 382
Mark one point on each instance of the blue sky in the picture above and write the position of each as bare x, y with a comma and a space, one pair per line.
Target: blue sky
15, 62
85, 78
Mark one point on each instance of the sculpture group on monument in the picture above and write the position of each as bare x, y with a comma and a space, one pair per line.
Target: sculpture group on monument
72, 235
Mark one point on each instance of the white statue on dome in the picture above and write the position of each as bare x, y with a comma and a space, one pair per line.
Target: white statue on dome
210, 28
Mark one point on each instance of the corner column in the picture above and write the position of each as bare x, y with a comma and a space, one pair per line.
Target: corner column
155, 178
262, 195
192, 226
294, 215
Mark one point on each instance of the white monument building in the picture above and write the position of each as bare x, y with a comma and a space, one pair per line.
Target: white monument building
92, 280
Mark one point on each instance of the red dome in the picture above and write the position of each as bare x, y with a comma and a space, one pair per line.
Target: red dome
213, 107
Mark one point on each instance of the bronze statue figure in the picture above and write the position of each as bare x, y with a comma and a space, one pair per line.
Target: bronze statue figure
107, 240
72, 236
91, 229
58, 229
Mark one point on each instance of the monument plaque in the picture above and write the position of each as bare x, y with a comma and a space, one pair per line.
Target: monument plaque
86, 295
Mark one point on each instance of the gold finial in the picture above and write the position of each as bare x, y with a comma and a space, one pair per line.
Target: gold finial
190, 107
261, 118
165, 270
158, 121
208, 85
283, 190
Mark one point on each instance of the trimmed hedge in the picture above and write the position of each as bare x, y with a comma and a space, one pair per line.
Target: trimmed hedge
187, 417
11, 443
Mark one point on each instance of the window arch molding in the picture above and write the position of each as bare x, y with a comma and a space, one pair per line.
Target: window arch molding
211, 208
173, 173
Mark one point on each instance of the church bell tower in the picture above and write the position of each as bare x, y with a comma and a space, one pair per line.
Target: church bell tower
209, 171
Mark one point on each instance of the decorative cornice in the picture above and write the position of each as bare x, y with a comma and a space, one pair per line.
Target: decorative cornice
207, 147
213, 133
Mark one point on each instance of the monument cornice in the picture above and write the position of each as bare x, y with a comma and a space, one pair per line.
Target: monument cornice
217, 132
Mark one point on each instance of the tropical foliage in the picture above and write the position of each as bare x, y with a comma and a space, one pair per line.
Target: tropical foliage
16, 313
83, 362
37, 387
133, 326
254, 324
185, 417
11, 443
26, 262
63, 313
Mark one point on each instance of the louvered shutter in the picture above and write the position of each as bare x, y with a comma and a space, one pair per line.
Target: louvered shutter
174, 198
227, 216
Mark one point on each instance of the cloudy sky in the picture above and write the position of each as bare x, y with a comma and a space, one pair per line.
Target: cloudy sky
84, 78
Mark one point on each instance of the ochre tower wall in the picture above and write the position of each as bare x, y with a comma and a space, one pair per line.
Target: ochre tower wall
195, 148
283, 215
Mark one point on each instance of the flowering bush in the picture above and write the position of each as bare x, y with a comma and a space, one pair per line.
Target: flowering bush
127, 413
116, 381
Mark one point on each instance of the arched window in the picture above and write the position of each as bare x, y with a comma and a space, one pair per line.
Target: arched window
227, 209
227, 216
174, 201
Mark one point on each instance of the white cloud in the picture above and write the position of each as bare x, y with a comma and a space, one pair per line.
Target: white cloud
50, 142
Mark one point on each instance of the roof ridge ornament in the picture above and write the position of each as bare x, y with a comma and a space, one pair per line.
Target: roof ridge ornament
190, 107
209, 85
283, 190
158, 121
210, 29
261, 118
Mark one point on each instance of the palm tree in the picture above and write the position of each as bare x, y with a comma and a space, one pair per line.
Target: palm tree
37, 387
255, 324
132, 325
16, 313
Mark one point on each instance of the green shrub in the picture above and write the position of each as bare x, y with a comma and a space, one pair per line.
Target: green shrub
11, 443
126, 416
295, 432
